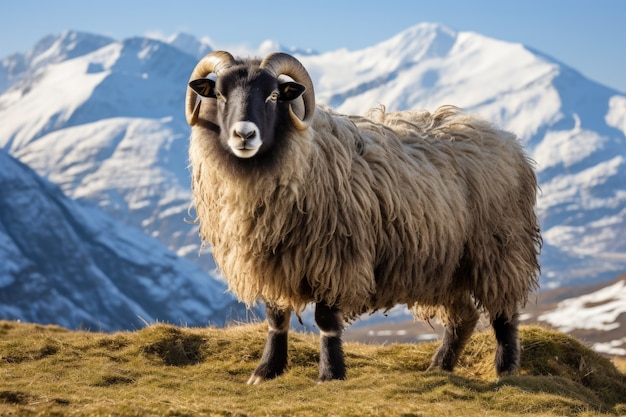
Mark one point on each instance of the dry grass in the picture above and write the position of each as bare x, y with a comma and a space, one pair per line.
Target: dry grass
167, 370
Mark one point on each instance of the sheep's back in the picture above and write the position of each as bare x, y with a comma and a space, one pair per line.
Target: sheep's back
483, 207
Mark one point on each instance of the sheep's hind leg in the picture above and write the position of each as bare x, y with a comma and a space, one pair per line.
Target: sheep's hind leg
508, 349
330, 322
461, 320
274, 360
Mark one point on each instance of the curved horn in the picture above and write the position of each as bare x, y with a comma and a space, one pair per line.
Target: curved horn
280, 63
215, 61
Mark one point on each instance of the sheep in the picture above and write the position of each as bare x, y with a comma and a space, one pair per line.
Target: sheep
358, 213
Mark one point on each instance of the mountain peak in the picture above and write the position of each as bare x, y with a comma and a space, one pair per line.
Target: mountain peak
50, 49
268, 46
190, 44
66, 45
424, 40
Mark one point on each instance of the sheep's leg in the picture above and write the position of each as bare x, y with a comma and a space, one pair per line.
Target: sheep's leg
274, 359
330, 322
461, 320
508, 349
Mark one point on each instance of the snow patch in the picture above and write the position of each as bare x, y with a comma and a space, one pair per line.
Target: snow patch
614, 347
568, 147
598, 310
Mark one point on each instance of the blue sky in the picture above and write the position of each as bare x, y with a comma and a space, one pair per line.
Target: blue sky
587, 35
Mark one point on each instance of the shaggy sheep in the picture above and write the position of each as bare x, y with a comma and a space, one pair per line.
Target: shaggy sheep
358, 214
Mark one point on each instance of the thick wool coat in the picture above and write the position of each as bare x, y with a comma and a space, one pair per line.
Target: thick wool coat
365, 213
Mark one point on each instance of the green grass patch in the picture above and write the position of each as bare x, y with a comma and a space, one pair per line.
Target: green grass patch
174, 371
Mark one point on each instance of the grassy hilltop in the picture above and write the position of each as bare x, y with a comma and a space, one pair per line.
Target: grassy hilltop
173, 371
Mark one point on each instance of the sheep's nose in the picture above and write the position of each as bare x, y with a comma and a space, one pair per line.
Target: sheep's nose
245, 135
244, 132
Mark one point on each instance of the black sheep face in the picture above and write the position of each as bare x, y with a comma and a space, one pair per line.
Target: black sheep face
252, 108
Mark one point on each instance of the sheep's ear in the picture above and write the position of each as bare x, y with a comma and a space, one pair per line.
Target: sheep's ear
290, 91
205, 87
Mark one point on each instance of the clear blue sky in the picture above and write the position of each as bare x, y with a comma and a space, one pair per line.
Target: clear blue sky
587, 35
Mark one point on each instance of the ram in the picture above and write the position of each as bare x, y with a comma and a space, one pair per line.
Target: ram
358, 214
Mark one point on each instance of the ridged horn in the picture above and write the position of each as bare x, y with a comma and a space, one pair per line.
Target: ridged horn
280, 63
215, 62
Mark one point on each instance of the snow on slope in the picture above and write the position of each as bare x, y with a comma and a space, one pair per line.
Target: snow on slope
110, 129
51, 49
108, 126
129, 167
601, 313
70, 264
598, 310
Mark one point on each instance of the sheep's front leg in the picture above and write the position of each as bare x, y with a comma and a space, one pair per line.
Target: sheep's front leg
330, 322
274, 360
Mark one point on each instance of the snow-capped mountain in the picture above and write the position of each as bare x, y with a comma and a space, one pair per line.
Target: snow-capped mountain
190, 44
71, 264
108, 127
49, 50
104, 120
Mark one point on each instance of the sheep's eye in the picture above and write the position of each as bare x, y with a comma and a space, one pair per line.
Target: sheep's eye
273, 96
219, 96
